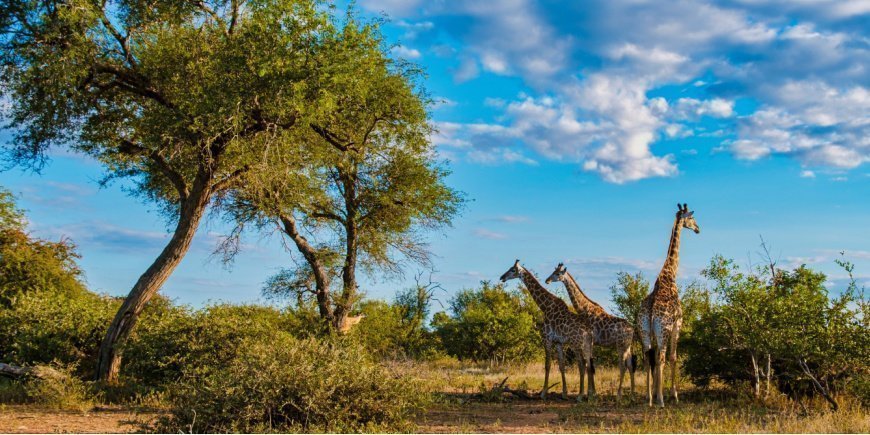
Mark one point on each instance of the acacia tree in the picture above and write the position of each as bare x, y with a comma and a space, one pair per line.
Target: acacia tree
371, 183
182, 97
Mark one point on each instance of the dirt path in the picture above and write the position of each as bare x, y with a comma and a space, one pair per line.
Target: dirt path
30, 419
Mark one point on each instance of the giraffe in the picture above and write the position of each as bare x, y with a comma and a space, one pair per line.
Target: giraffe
661, 315
562, 329
607, 330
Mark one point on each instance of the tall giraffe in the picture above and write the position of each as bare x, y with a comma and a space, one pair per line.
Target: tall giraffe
607, 330
562, 329
661, 315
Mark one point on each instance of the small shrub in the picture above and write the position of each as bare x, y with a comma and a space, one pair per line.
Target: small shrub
57, 387
280, 383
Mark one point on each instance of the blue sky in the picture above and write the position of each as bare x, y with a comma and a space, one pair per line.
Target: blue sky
575, 128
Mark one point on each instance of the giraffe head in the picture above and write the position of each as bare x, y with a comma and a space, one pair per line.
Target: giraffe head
687, 218
512, 273
557, 274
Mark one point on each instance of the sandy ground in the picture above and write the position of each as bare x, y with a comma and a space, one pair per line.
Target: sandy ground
31, 419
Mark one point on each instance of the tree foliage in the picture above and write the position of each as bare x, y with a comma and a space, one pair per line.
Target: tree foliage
787, 315
490, 324
371, 183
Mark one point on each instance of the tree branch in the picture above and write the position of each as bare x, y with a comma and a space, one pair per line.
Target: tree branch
134, 83
130, 148
333, 139
211, 12
122, 40
229, 179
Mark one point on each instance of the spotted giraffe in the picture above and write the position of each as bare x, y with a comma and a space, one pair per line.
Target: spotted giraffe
607, 330
661, 315
562, 329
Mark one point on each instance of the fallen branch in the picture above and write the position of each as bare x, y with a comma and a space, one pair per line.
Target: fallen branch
15, 372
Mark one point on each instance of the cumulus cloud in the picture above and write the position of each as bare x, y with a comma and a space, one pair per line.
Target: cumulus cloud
591, 67
811, 121
405, 52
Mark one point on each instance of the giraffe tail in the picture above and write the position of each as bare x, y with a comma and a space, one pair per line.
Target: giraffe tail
633, 362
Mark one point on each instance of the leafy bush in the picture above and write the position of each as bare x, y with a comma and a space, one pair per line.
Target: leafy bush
278, 383
170, 338
28, 264
398, 330
787, 317
490, 324
57, 386
42, 326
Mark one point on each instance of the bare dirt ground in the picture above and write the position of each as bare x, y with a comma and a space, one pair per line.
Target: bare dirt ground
33, 419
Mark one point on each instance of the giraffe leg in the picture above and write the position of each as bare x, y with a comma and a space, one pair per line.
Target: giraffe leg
548, 351
560, 353
582, 363
623, 365
659, 362
590, 366
672, 358
648, 353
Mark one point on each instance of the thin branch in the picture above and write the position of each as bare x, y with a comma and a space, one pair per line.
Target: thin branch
229, 179
333, 139
132, 149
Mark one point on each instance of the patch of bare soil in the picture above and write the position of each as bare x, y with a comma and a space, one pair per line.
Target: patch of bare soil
31, 419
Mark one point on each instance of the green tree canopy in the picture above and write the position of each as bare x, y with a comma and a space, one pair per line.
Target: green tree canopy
181, 97
370, 183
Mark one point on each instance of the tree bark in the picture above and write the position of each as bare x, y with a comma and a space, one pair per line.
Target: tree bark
817, 385
756, 376
321, 277
348, 273
192, 210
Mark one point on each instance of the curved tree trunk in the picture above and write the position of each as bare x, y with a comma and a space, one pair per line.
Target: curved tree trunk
321, 277
192, 211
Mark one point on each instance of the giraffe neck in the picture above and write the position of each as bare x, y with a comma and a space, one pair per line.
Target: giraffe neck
579, 299
547, 302
667, 279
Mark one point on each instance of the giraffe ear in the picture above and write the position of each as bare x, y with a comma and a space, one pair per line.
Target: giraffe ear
691, 213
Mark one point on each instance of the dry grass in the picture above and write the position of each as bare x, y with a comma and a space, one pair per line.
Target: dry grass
457, 411
715, 410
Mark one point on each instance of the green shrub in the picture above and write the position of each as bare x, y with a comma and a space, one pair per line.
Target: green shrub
57, 386
44, 326
387, 331
169, 337
490, 324
278, 383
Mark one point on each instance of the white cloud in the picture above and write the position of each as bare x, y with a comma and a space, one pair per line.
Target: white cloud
812, 121
405, 52
808, 174
803, 63
487, 234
